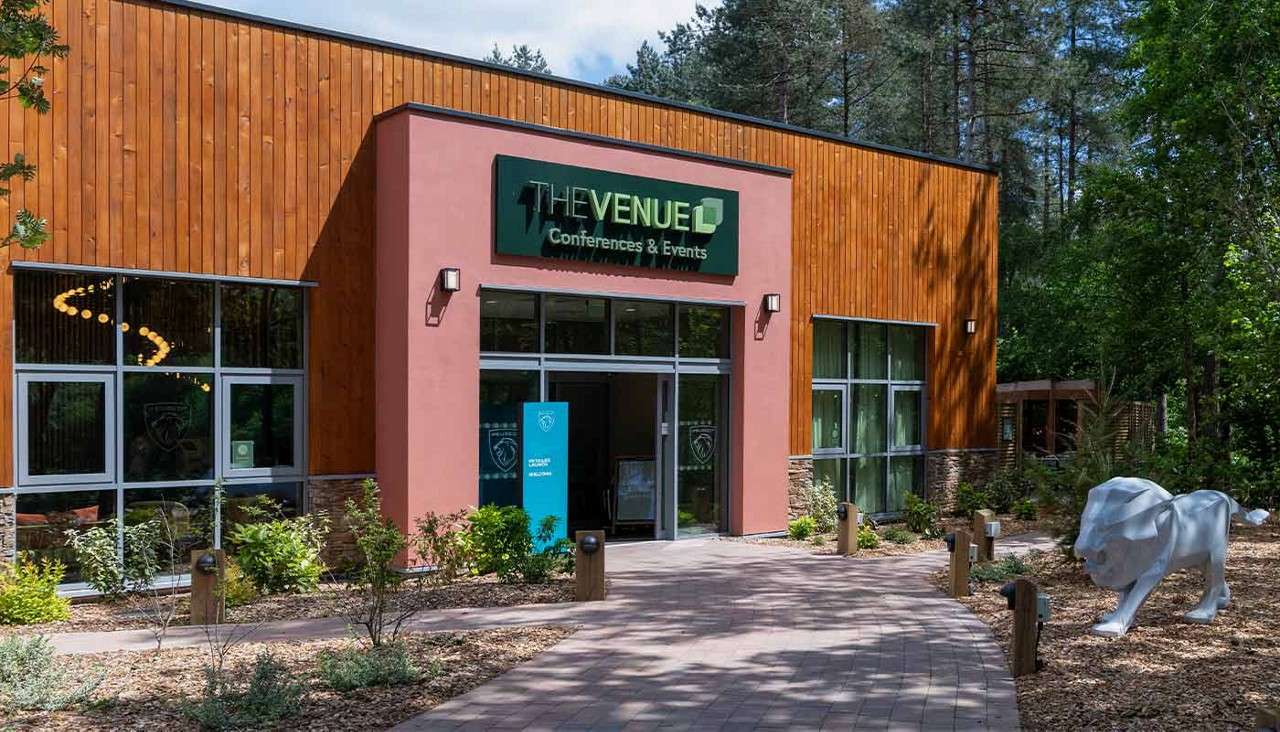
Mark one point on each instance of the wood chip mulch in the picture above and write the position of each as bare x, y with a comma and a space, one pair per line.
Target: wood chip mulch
144, 690
826, 543
331, 600
1165, 673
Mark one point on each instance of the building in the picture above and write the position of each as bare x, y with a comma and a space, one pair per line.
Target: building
1041, 419
289, 259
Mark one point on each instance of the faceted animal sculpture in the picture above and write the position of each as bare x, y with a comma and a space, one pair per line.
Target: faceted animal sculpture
1133, 534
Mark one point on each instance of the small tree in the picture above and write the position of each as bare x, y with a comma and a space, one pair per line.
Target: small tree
522, 57
383, 604
26, 38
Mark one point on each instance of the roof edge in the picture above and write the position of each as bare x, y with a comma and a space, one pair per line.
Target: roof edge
585, 85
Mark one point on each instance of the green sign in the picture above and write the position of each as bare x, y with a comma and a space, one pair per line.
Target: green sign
586, 215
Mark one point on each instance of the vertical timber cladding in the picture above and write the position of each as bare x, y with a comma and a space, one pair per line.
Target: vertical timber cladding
193, 140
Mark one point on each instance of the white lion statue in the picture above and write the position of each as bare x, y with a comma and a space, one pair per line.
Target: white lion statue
1133, 534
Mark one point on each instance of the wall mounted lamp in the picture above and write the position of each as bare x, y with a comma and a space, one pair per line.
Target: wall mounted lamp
970, 326
450, 279
773, 303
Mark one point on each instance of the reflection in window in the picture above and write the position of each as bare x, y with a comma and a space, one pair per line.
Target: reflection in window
906, 475
700, 444
66, 427
64, 318
828, 349
577, 324
44, 518
871, 354
828, 419
262, 425
261, 327
644, 328
501, 395
168, 427
868, 484
704, 331
167, 322
906, 350
184, 517
508, 321
829, 473
907, 418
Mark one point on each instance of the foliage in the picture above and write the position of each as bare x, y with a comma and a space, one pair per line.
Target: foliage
442, 540
379, 585
269, 696
1026, 510
801, 528
29, 592
237, 590
101, 565
822, 506
522, 57
553, 556
921, 516
899, 535
867, 538
359, 668
499, 539
280, 554
31, 678
1001, 570
970, 498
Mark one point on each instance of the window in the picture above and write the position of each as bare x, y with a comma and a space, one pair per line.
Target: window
644, 328
870, 448
577, 324
704, 331
508, 321
148, 389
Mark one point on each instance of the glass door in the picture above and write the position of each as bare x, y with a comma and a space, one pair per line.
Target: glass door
664, 450
701, 443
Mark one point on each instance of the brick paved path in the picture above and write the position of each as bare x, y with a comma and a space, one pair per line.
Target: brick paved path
723, 635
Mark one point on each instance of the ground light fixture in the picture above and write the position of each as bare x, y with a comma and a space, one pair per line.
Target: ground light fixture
450, 279
207, 563
970, 326
773, 302
589, 544
842, 512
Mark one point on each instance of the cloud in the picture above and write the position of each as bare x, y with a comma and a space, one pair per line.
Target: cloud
585, 39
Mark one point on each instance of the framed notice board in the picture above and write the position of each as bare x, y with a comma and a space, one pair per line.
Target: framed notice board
637, 490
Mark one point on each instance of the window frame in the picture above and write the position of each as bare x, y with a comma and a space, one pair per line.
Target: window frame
843, 391
225, 383
110, 442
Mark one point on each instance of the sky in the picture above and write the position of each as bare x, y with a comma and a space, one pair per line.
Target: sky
582, 39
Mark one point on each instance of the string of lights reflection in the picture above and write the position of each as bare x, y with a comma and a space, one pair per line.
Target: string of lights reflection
61, 304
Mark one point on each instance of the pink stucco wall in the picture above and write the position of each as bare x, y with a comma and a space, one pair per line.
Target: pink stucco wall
435, 209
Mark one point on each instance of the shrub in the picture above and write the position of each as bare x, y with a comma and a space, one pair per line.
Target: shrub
499, 539
377, 582
1026, 510
970, 498
802, 528
32, 679
101, 566
899, 535
29, 592
1001, 570
359, 668
442, 540
269, 696
554, 556
237, 590
281, 554
921, 516
822, 506
868, 539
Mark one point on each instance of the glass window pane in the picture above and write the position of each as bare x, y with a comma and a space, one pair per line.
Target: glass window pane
285, 497
66, 427
1066, 417
262, 425
828, 349
1035, 426
906, 418
704, 331
168, 427
906, 475
167, 322
868, 484
185, 514
577, 324
44, 518
261, 327
508, 321
830, 474
644, 328
828, 413
871, 353
906, 345
868, 411
501, 394
64, 318
700, 440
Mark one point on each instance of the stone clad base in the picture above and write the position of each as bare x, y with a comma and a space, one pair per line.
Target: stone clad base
946, 469
330, 495
799, 483
8, 526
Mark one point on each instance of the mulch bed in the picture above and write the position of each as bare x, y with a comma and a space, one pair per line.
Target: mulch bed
826, 543
331, 600
1165, 673
145, 690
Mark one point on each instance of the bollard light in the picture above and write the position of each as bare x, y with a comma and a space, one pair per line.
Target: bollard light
973, 554
950, 538
1043, 611
842, 512
1007, 591
207, 563
993, 529
589, 544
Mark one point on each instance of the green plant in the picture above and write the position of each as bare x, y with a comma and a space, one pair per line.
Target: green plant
29, 592
281, 554
101, 566
269, 696
970, 498
377, 582
237, 590
442, 541
802, 528
1001, 570
1026, 510
552, 557
921, 516
822, 506
499, 539
359, 668
899, 535
867, 538
31, 678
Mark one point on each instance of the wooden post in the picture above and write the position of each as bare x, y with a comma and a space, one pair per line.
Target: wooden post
588, 568
960, 565
986, 545
847, 531
1024, 626
1268, 719
207, 595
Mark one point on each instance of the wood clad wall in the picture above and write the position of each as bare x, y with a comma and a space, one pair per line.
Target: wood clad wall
190, 141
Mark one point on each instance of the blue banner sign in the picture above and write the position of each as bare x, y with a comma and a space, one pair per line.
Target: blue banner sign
545, 464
